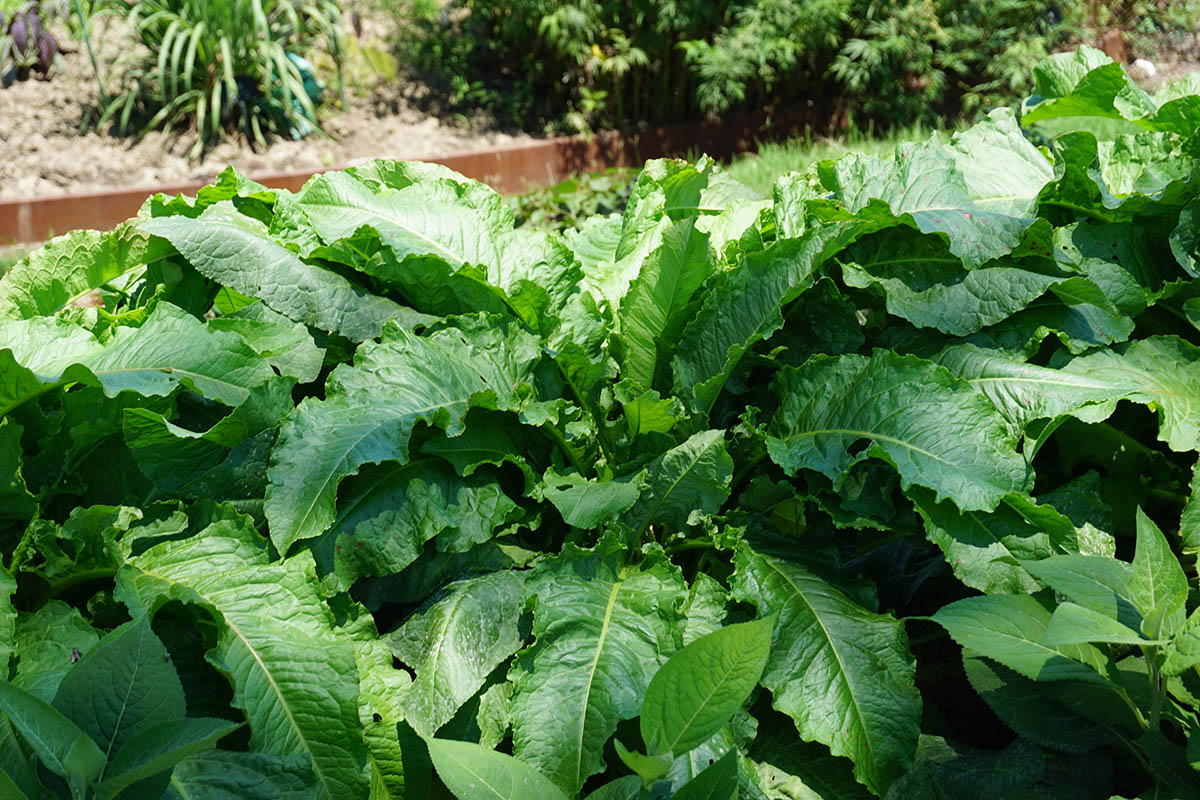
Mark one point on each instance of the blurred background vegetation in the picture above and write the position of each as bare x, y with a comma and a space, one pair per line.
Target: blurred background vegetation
584, 64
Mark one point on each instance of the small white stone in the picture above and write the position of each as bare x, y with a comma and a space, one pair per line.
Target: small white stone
1141, 68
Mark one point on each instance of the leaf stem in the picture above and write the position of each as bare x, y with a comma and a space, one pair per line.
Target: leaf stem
555, 435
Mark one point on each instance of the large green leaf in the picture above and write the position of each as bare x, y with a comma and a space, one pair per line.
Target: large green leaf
473, 772
169, 350
745, 306
124, 686
694, 475
698, 690
980, 191
276, 643
1160, 371
388, 512
454, 643
371, 408
62, 274
652, 314
843, 673
602, 628
923, 282
933, 428
238, 251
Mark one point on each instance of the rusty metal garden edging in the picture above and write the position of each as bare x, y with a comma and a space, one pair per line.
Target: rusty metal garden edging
511, 168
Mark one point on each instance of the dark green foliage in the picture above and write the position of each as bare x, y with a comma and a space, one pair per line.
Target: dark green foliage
615, 63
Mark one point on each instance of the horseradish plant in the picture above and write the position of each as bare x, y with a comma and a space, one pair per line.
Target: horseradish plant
880, 486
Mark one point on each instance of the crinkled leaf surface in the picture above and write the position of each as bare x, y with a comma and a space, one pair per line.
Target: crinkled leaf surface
370, 410
454, 643
933, 427
842, 672
239, 252
276, 642
602, 628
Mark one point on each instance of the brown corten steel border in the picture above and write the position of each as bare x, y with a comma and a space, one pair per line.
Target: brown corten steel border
508, 169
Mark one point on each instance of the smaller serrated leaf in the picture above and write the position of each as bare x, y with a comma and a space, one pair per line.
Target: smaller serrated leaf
1073, 624
1158, 586
160, 748
649, 767
473, 772
587, 503
60, 744
700, 687
122, 687
1011, 629
718, 782
624, 788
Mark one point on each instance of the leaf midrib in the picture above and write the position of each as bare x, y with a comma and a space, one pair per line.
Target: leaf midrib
605, 625
262, 666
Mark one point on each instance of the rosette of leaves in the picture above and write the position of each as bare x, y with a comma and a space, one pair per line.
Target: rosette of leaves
219, 67
881, 486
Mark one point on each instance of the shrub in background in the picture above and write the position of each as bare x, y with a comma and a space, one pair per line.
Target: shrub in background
216, 65
584, 64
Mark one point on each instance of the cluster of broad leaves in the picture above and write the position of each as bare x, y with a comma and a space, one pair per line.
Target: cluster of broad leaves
876, 487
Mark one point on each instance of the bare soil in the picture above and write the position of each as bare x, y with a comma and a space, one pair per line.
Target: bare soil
43, 151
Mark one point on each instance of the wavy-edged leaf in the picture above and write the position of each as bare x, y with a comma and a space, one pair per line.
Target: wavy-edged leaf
843, 673
388, 512
980, 191
47, 641
63, 273
276, 641
602, 628
652, 312
921, 281
1160, 371
454, 643
371, 408
933, 428
169, 350
237, 251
